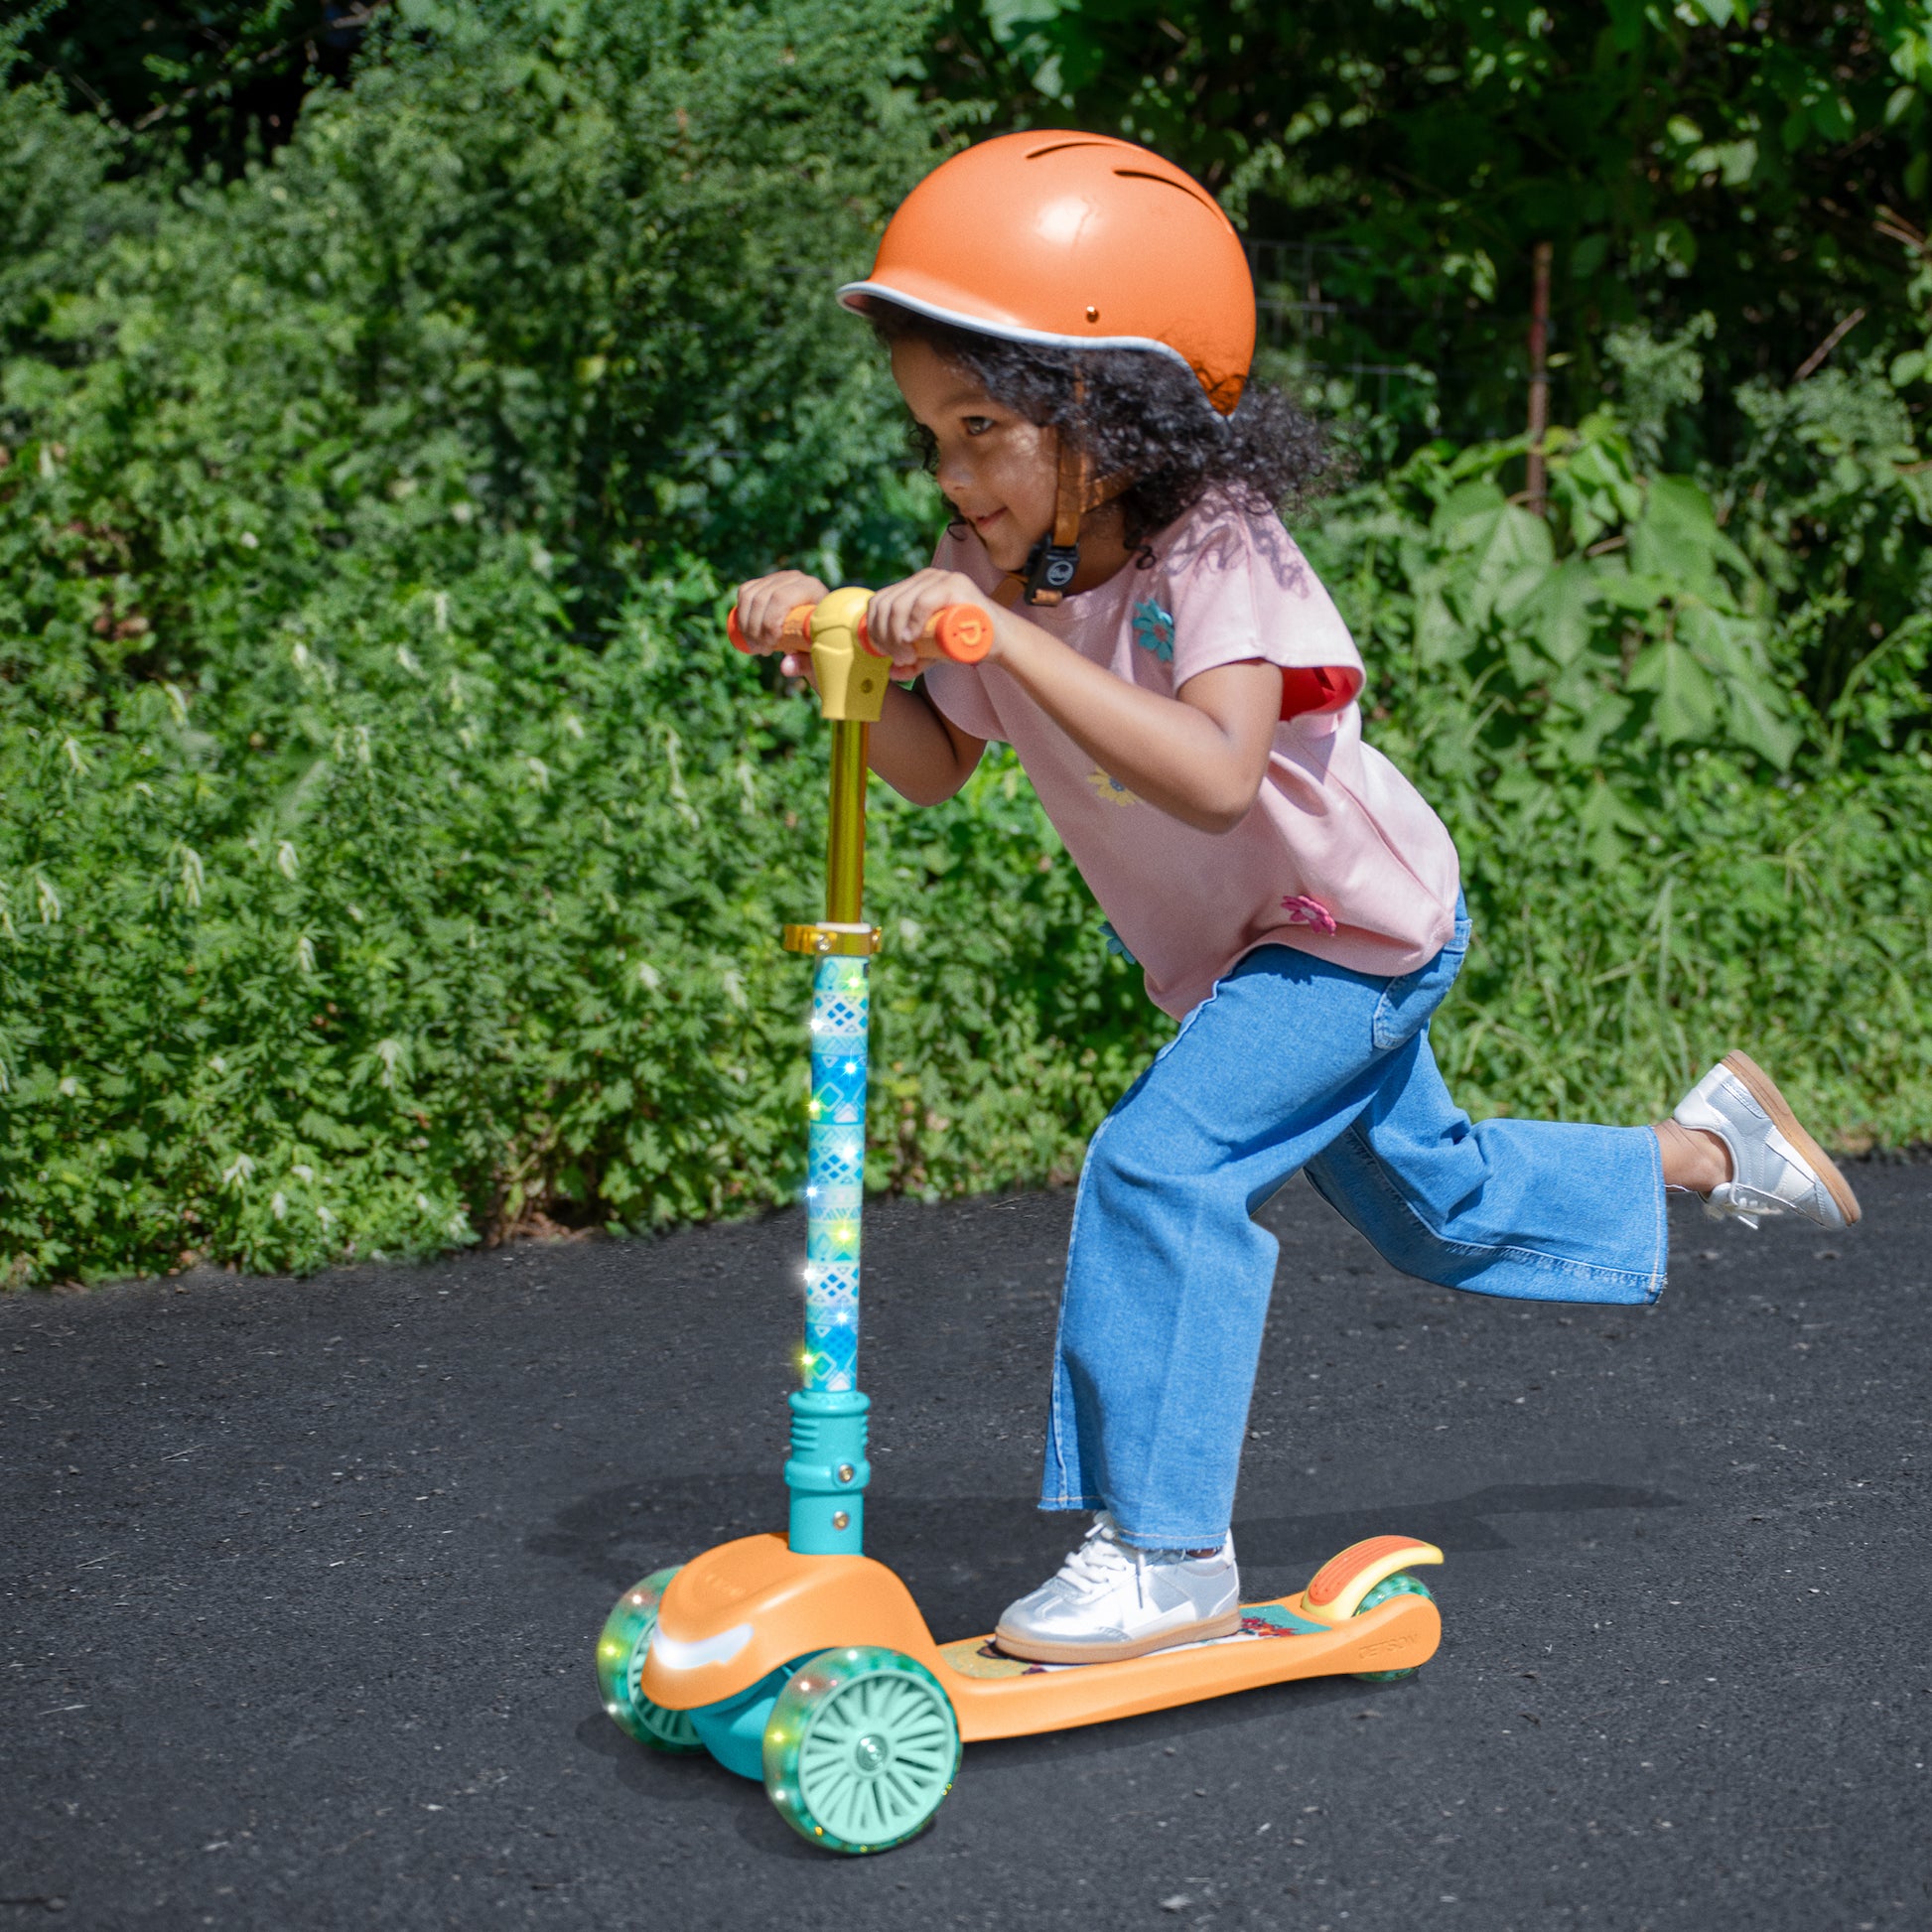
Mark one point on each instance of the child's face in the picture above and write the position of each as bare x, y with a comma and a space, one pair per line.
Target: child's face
999, 471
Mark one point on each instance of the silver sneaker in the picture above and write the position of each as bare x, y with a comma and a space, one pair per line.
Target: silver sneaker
1776, 1168
1111, 1601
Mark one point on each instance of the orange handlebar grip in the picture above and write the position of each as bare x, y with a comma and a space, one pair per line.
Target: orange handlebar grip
962, 632
797, 628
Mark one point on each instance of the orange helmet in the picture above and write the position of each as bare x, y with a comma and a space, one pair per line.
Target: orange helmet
1078, 241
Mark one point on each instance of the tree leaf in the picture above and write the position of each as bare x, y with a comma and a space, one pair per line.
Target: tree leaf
1606, 821
1687, 696
1599, 718
1462, 515
1560, 610
1676, 537
1508, 553
1438, 638
1628, 591
1758, 724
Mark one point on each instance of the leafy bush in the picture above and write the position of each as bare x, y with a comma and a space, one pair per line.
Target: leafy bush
391, 856
1745, 161
1667, 850
438, 922
388, 852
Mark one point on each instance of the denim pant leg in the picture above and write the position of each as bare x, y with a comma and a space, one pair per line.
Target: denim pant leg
1167, 1275
1535, 1209
1292, 1062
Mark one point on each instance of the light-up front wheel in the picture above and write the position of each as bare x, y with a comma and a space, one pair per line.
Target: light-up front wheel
621, 1649
861, 1747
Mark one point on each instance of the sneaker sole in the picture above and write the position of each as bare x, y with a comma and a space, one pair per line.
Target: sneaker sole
1763, 1089
1042, 1652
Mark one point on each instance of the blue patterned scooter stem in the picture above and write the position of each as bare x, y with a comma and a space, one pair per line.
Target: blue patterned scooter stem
827, 1470
835, 1179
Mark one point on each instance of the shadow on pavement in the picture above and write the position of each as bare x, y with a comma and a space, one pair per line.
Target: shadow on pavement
965, 1558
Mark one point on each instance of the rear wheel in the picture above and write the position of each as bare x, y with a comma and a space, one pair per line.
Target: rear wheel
621, 1649
861, 1747
1399, 1585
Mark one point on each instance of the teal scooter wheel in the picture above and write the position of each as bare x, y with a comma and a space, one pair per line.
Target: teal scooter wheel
620, 1648
1399, 1585
861, 1747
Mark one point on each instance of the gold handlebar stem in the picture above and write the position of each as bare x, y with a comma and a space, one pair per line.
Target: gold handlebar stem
845, 852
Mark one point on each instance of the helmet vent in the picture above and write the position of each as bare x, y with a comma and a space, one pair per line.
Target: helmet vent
1168, 181
1060, 147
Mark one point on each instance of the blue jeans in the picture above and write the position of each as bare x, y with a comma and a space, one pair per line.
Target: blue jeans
1292, 1063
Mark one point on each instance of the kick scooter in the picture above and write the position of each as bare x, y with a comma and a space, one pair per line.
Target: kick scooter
802, 1661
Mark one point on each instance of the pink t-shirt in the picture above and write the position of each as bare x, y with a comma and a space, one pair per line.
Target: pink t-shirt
1340, 857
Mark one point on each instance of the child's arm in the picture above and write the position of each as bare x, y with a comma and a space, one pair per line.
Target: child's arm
914, 746
919, 750
1199, 756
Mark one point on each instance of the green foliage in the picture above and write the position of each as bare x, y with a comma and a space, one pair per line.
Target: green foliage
1658, 380
201, 80
1666, 849
436, 923
1608, 638
1830, 499
56, 205
392, 853
389, 852
422, 320
1682, 156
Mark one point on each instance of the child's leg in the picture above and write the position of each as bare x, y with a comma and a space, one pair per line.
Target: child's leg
1544, 1210
1560, 1211
1167, 1277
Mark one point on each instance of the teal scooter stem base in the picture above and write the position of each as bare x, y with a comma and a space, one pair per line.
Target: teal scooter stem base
828, 1472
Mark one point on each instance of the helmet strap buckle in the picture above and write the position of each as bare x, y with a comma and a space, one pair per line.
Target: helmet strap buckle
1050, 570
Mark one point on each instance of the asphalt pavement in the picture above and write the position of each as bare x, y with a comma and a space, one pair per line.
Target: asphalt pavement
302, 1580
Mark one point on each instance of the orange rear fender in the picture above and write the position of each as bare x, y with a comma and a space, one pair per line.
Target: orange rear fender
1338, 1587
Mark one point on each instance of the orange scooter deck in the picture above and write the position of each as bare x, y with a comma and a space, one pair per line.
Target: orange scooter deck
997, 1696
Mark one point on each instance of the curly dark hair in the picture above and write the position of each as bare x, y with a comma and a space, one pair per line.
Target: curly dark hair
1142, 414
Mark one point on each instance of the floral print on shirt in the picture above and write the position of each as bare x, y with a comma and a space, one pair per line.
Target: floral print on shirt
1153, 630
1304, 910
1109, 789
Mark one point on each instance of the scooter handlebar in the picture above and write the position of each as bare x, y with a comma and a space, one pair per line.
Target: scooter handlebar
796, 629
961, 632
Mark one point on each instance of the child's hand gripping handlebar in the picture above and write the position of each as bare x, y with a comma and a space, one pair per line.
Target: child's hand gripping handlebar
796, 629
961, 632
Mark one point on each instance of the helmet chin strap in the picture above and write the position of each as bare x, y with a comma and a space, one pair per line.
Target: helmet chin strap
1054, 560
